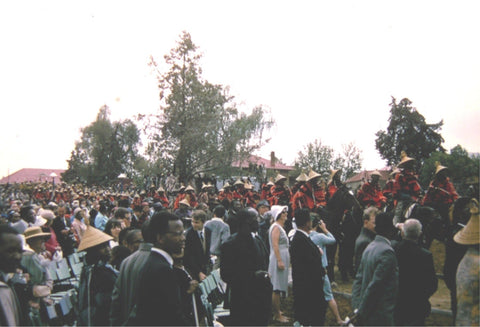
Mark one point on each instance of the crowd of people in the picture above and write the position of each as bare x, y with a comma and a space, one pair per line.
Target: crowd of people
147, 251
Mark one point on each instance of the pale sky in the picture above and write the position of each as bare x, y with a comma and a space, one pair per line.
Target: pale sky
325, 69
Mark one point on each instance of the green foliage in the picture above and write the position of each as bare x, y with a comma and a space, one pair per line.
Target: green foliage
105, 150
199, 128
408, 131
322, 159
461, 167
350, 160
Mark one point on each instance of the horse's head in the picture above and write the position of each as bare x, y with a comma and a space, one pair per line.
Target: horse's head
343, 199
460, 213
431, 221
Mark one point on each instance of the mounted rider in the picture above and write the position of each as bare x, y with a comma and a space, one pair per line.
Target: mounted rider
370, 193
160, 195
299, 182
225, 193
334, 183
311, 195
441, 193
406, 188
266, 191
281, 194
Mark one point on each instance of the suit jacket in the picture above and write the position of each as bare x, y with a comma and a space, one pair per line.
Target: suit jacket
124, 296
158, 299
220, 234
375, 288
309, 304
417, 282
243, 265
366, 237
66, 241
195, 259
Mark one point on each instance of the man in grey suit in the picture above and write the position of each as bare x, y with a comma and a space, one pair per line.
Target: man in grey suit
220, 233
375, 288
367, 234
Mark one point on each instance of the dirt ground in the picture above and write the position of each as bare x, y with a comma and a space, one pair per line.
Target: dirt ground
440, 300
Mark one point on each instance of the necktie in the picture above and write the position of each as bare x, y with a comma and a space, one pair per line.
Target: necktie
202, 240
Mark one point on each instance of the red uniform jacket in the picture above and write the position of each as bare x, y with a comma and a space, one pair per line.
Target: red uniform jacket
331, 189
444, 193
306, 198
179, 198
406, 184
281, 195
370, 194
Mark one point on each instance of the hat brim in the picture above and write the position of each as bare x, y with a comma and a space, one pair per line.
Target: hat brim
39, 235
470, 234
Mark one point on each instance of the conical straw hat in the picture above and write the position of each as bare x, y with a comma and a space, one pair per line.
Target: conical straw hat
404, 159
470, 234
93, 237
312, 175
279, 178
333, 173
439, 167
238, 182
376, 172
301, 178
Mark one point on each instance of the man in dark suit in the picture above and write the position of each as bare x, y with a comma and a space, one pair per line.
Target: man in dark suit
124, 295
309, 304
197, 247
417, 278
243, 266
375, 288
62, 228
158, 299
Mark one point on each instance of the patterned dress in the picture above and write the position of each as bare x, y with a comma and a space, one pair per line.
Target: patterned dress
279, 277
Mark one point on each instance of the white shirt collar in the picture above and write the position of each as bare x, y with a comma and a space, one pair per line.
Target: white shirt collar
167, 256
304, 232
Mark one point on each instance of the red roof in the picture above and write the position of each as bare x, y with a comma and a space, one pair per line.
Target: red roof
32, 175
365, 175
261, 161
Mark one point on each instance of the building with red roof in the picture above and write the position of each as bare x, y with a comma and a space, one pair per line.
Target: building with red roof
34, 175
356, 181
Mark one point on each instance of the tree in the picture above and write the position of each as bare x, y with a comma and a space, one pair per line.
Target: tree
350, 160
461, 166
105, 150
322, 159
317, 157
199, 128
408, 131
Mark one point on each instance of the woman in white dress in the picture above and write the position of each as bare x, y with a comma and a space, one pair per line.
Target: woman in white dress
279, 260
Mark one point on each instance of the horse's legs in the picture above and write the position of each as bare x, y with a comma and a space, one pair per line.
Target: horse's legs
398, 213
331, 252
347, 247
